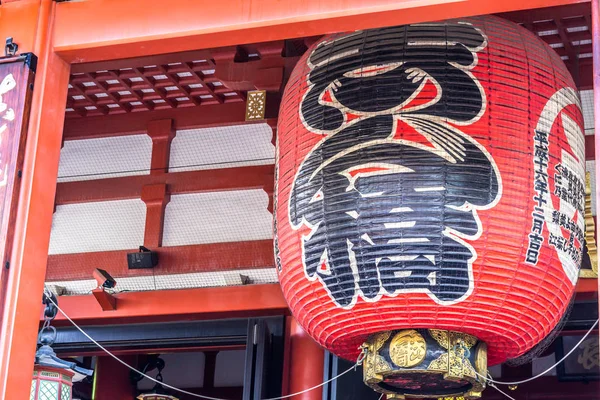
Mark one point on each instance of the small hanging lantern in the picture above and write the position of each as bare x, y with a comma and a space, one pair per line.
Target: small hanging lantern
158, 392
52, 377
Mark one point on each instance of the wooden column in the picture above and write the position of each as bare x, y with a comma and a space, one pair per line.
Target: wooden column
305, 360
156, 196
36, 201
596, 68
162, 133
156, 199
269, 188
111, 379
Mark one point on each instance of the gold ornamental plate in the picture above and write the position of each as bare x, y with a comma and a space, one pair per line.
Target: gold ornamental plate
408, 349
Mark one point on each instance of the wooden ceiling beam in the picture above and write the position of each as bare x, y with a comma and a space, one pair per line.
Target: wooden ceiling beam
548, 13
130, 187
211, 257
139, 62
173, 305
184, 118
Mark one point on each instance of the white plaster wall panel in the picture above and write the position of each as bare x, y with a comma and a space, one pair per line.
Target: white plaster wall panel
173, 281
590, 166
222, 147
217, 217
102, 158
98, 226
587, 104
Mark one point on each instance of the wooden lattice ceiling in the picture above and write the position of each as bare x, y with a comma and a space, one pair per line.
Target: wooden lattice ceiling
567, 29
151, 87
180, 80
224, 75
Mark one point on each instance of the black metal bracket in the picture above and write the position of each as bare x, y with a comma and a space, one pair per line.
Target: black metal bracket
31, 61
49, 301
10, 48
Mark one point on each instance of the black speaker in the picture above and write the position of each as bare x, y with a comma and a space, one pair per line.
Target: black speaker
144, 259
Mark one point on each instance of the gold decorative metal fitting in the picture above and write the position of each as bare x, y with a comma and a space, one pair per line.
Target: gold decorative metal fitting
590, 228
421, 363
255, 105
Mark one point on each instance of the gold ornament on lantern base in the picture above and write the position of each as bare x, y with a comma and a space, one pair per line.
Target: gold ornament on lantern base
421, 363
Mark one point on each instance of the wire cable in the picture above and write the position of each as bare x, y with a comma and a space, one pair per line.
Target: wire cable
358, 362
489, 379
502, 392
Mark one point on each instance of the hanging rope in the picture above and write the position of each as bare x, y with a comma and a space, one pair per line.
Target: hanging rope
489, 378
359, 361
502, 392
491, 382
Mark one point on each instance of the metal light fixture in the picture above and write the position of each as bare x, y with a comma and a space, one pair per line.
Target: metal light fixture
158, 392
52, 377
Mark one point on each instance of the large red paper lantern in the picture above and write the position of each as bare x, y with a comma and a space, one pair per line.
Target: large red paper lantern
430, 176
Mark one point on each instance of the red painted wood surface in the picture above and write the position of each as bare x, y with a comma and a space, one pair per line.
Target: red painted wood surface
156, 198
162, 133
159, 350
305, 363
176, 305
250, 177
15, 101
106, 300
173, 260
596, 59
111, 378
138, 30
183, 118
36, 202
572, 44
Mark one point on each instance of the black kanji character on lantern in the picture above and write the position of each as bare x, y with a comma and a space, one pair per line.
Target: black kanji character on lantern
386, 214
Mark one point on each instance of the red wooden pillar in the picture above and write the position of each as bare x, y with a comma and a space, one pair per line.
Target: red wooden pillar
305, 360
596, 73
36, 200
111, 379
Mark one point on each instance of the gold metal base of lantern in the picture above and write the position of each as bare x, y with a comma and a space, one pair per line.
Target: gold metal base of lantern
425, 363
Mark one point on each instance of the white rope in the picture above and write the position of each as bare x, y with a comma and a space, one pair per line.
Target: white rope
504, 393
358, 362
489, 379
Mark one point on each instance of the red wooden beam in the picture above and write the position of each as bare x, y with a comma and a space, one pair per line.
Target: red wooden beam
175, 305
548, 13
183, 118
172, 260
239, 178
587, 285
106, 300
138, 62
154, 350
138, 30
